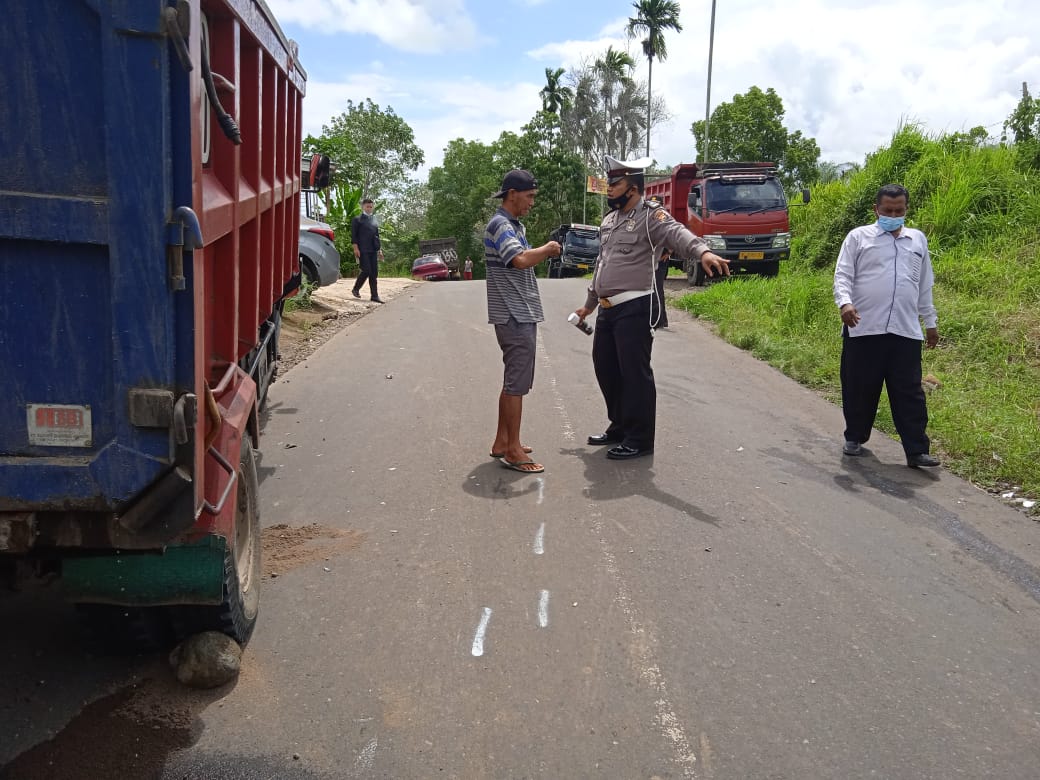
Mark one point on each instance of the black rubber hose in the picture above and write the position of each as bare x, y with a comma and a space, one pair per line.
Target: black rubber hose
227, 123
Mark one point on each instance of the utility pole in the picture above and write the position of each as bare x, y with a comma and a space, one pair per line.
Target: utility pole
707, 100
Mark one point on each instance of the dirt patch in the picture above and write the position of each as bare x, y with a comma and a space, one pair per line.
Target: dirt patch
333, 308
287, 547
130, 733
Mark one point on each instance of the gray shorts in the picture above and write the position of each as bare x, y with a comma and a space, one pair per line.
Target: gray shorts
517, 340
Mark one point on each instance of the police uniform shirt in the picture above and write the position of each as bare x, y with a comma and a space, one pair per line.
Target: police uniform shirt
630, 246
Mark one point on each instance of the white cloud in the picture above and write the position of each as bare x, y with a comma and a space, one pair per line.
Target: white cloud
438, 111
848, 72
423, 26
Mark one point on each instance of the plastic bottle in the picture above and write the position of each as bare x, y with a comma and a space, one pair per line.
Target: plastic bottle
580, 324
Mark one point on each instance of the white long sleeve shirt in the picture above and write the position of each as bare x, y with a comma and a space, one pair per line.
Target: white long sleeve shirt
888, 279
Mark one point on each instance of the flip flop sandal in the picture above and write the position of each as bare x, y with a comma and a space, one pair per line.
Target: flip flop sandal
519, 466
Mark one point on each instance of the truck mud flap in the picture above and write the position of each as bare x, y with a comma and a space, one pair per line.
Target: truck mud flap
181, 574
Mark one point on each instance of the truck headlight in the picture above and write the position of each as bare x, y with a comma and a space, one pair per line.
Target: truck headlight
782, 241
715, 243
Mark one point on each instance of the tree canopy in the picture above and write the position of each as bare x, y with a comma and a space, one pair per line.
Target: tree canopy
372, 148
751, 127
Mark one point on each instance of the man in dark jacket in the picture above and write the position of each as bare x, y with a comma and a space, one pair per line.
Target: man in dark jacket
364, 235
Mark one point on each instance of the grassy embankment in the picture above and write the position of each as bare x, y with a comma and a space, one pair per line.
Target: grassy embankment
981, 213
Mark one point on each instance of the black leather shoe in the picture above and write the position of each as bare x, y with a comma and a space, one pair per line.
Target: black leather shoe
852, 448
922, 460
377, 300
603, 438
355, 293
621, 452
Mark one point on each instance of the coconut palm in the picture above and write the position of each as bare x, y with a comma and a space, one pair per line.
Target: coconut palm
555, 96
614, 71
652, 18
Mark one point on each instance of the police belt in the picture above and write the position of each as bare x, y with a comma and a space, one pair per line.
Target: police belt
614, 300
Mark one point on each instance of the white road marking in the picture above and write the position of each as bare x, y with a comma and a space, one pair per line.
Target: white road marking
478, 640
567, 428
543, 610
367, 756
539, 540
541, 489
641, 648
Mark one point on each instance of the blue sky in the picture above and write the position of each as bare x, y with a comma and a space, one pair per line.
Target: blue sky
848, 71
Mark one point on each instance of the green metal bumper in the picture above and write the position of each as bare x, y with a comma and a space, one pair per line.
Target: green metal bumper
181, 574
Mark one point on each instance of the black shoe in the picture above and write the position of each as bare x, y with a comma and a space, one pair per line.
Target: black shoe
603, 438
355, 293
852, 448
623, 452
922, 460
377, 300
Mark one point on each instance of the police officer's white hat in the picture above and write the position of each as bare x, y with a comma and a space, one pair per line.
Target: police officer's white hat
617, 169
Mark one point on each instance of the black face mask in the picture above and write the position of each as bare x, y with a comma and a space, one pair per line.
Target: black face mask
620, 200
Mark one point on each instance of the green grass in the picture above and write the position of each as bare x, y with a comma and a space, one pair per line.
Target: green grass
302, 299
981, 211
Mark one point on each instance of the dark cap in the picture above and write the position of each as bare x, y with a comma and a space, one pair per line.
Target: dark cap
617, 170
519, 180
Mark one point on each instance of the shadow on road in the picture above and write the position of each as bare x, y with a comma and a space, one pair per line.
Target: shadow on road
70, 711
605, 480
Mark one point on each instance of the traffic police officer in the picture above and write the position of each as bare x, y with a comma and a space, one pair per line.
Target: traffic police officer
631, 238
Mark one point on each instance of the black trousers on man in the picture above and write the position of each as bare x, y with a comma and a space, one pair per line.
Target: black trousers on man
867, 362
621, 350
369, 263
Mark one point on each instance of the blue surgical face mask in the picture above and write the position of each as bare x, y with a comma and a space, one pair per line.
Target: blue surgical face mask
889, 224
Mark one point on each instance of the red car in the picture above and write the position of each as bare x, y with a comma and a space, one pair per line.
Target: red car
431, 268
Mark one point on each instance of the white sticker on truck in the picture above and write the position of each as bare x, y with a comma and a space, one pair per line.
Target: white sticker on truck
59, 425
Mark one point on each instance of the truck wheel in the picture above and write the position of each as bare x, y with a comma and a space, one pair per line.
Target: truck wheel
695, 274
237, 612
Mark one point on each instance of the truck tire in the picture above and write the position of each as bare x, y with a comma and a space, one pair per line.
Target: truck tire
236, 614
695, 274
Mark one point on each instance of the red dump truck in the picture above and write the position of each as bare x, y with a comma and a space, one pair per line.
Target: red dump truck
739, 208
149, 222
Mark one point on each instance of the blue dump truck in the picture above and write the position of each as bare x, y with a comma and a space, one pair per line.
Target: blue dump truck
149, 218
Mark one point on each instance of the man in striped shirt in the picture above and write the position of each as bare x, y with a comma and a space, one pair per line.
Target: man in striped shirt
515, 309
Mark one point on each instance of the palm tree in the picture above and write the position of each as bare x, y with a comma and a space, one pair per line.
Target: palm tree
614, 70
652, 18
555, 96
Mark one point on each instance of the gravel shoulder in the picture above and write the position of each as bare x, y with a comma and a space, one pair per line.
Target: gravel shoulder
334, 308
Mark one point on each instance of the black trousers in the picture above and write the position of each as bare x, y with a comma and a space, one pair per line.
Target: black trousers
369, 262
621, 350
659, 274
867, 362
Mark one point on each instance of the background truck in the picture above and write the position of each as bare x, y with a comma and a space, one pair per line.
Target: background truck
739, 208
147, 242
579, 249
447, 248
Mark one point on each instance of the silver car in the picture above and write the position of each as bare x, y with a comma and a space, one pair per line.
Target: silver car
319, 260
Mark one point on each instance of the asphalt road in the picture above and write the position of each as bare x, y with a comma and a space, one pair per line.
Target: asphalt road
746, 603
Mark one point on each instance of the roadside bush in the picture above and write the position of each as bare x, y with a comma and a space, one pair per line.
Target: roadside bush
980, 208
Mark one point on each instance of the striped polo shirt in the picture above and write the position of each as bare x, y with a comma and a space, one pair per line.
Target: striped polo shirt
511, 292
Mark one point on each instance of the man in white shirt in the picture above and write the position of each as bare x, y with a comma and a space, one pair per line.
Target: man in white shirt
883, 285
